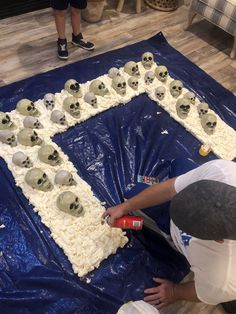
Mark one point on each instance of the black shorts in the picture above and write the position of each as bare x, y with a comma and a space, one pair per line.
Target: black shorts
63, 4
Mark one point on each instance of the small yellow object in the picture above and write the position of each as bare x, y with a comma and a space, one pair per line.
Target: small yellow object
205, 149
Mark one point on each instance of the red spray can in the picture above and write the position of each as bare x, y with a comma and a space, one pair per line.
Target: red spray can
127, 222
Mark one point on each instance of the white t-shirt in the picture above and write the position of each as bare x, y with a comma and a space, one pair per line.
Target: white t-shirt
213, 264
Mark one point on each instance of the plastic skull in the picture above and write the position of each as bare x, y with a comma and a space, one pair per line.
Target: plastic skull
7, 137
21, 160
69, 203
64, 177
28, 137
133, 82
73, 88
149, 77
176, 88
72, 106
32, 123
113, 72
5, 122
91, 99
98, 88
147, 60
202, 109
58, 117
49, 155
183, 107
38, 180
161, 73
26, 107
132, 68
49, 101
191, 97
160, 92
209, 122
119, 85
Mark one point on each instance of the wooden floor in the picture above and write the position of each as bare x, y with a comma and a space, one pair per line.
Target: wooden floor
28, 42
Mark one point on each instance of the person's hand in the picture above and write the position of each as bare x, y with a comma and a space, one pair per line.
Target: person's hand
161, 295
116, 212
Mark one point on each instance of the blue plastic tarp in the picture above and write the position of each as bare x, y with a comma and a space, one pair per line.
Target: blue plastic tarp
109, 151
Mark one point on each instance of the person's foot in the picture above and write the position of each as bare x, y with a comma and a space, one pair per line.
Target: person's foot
62, 51
78, 41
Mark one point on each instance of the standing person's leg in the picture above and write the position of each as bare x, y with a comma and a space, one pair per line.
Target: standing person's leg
75, 21
60, 7
77, 37
60, 21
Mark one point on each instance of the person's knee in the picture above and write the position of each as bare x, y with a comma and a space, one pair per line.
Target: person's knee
75, 11
60, 13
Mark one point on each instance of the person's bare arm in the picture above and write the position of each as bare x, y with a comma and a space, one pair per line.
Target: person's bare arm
154, 195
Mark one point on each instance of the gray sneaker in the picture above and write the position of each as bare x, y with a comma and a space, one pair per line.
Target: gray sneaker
78, 41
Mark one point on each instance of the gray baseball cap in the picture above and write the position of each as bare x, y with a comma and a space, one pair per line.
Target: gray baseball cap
206, 210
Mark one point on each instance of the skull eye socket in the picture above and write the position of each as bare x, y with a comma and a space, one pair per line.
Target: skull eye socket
76, 85
179, 88
47, 101
7, 116
44, 176
72, 106
40, 181
24, 162
77, 104
4, 121
174, 87
77, 199
100, 86
72, 206
133, 69
50, 157
119, 85
166, 73
214, 123
33, 138
145, 59
29, 108
150, 58
208, 124
124, 84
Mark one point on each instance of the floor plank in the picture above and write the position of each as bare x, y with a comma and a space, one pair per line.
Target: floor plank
28, 41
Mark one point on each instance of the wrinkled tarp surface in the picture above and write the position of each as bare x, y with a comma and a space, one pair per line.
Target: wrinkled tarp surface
109, 151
